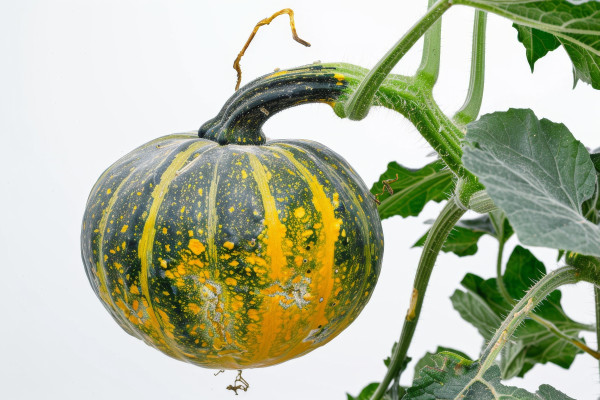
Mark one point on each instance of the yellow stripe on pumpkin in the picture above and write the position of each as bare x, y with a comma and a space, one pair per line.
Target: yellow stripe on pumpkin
271, 323
275, 229
100, 265
323, 281
146, 244
364, 227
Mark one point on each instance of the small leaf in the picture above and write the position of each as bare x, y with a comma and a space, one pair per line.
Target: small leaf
366, 393
484, 307
475, 310
413, 189
463, 239
454, 377
428, 360
389, 359
537, 43
541, 23
538, 174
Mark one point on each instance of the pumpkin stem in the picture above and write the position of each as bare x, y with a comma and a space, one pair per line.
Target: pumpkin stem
243, 115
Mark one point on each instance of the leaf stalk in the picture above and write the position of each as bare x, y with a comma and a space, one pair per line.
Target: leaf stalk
438, 234
358, 106
470, 109
597, 300
550, 282
429, 69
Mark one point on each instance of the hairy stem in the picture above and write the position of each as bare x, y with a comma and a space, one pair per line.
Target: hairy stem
438, 234
410, 97
358, 106
542, 321
539, 291
429, 69
470, 109
557, 332
407, 96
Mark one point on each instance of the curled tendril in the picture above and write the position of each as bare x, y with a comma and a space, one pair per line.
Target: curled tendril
266, 21
239, 384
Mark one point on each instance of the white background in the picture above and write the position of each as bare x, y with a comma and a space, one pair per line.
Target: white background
82, 82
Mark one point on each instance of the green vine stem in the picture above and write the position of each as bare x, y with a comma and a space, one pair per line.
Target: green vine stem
542, 321
429, 69
358, 106
470, 109
499, 280
438, 233
597, 298
410, 97
539, 291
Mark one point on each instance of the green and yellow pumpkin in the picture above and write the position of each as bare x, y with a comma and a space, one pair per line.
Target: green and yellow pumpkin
227, 250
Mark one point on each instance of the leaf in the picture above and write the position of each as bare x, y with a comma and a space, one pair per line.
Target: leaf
595, 156
537, 43
475, 310
368, 390
366, 393
388, 360
586, 64
538, 174
455, 377
501, 225
484, 307
463, 239
575, 24
413, 189
428, 360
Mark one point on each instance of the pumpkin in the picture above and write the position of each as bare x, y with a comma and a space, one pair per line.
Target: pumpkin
231, 251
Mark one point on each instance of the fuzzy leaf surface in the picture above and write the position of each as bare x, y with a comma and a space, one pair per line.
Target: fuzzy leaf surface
413, 189
455, 377
538, 174
429, 360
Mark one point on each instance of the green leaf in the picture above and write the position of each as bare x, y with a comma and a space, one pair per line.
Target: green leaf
484, 307
595, 156
538, 174
501, 225
537, 43
475, 310
413, 189
463, 239
366, 393
428, 360
388, 360
586, 64
455, 377
368, 390
575, 24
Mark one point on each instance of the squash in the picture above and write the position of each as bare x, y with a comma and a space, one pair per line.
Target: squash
231, 251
